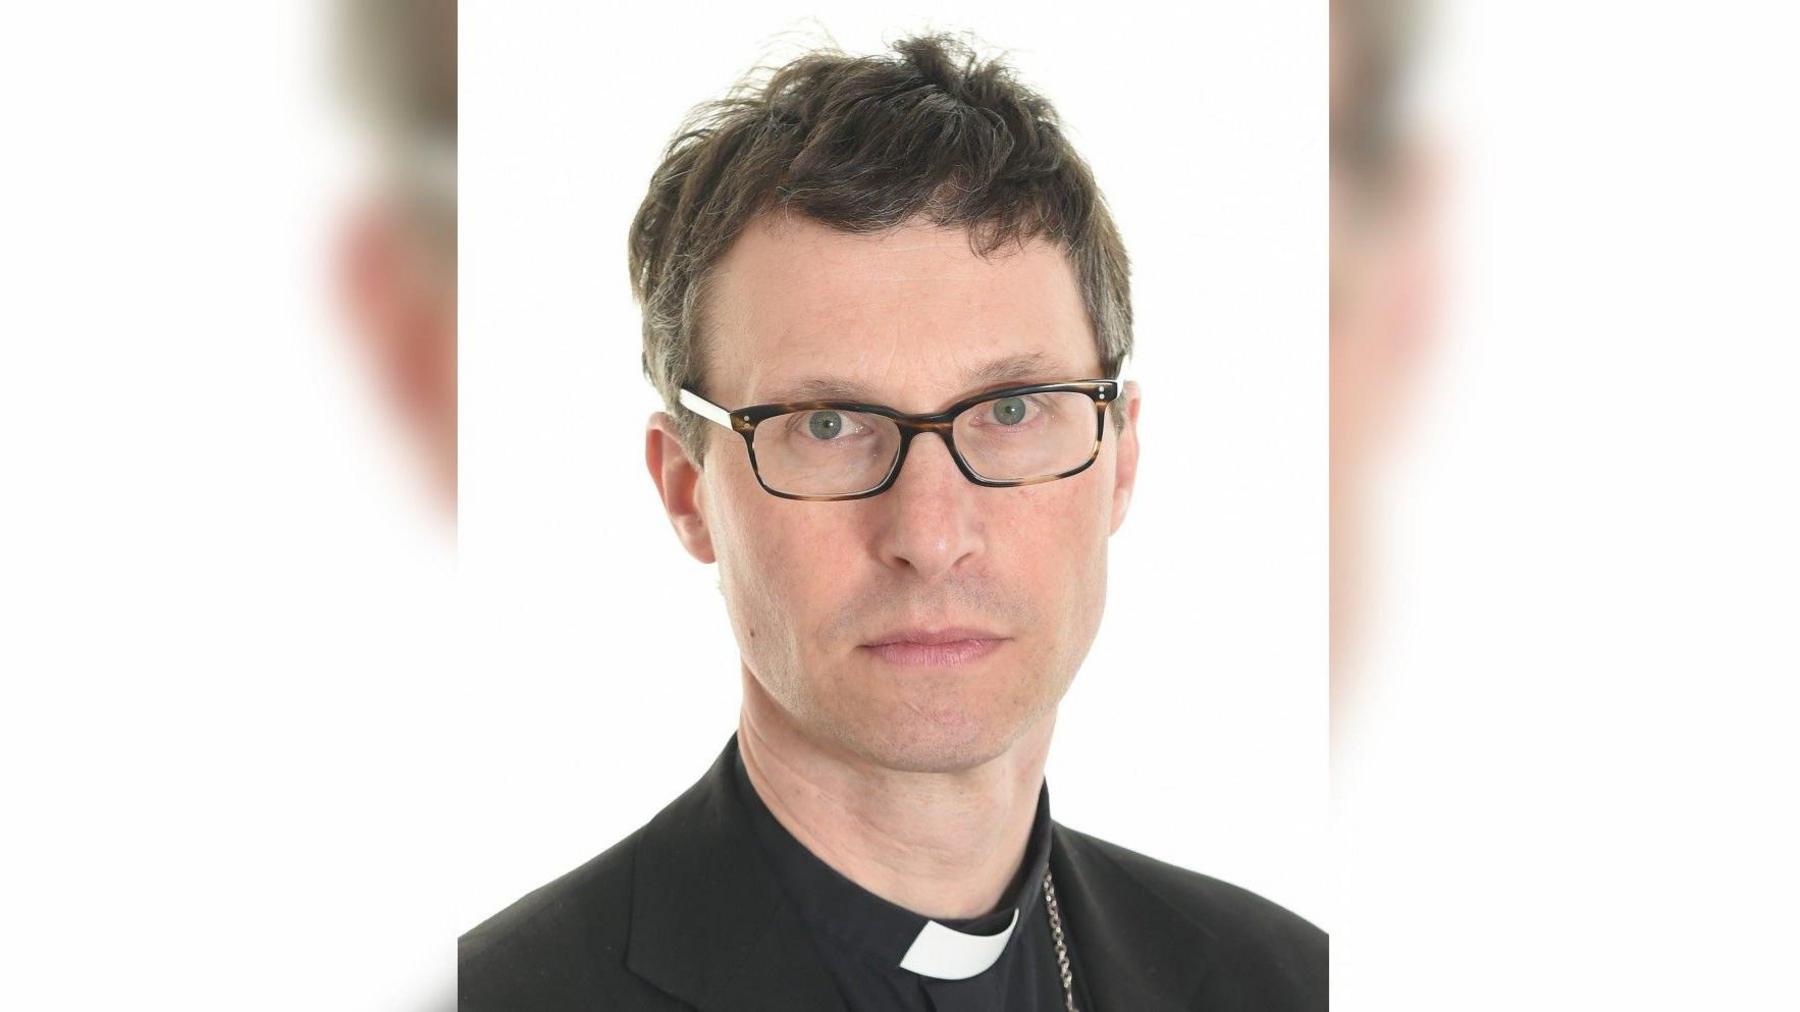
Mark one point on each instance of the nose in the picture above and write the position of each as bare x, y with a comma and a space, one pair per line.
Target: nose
931, 519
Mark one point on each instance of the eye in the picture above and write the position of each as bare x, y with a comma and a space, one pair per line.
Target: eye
825, 424
1009, 411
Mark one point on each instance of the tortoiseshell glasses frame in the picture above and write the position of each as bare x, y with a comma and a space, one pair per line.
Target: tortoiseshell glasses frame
744, 421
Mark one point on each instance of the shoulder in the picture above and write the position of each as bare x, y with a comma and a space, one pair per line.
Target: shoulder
1213, 903
557, 913
557, 947
1259, 944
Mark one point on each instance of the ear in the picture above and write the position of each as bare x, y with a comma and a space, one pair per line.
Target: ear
1125, 461
677, 481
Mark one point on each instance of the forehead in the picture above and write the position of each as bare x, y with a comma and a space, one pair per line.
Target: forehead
912, 317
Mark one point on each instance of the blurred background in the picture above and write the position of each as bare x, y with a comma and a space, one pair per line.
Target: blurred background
395, 65
242, 711
227, 480
1564, 501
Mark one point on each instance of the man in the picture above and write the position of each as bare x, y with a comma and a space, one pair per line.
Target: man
887, 310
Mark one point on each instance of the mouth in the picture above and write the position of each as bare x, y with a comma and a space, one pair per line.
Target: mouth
940, 649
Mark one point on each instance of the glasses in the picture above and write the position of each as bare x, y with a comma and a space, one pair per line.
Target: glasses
823, 451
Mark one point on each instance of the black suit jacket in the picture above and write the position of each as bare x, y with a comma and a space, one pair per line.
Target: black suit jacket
684, 914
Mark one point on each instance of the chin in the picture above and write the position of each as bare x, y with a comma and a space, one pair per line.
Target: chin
918, 743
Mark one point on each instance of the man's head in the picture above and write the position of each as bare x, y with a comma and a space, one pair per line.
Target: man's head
904, 225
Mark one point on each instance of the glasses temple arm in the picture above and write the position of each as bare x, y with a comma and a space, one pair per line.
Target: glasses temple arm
704, 408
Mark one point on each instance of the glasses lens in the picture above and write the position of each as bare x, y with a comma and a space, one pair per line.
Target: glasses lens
1028, 436
825, 452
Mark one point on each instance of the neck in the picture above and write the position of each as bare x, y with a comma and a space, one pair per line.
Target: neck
943, 845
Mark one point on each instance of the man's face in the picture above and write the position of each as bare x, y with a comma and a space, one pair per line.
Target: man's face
910, 315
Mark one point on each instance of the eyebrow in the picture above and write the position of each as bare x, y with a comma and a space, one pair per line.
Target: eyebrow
1026, 365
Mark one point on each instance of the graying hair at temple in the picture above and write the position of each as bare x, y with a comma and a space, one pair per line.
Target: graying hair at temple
864, 145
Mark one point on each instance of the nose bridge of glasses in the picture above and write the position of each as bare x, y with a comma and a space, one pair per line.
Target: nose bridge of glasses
940, 429
938, 425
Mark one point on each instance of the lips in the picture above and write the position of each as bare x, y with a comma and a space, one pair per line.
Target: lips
935, 647
952, 634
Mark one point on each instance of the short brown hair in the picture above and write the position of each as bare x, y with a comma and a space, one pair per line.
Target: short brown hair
864, 145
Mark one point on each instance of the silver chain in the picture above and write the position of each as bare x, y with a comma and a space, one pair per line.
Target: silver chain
1062, 951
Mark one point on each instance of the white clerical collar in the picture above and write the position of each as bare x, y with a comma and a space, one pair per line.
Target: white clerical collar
949, 954
842, 913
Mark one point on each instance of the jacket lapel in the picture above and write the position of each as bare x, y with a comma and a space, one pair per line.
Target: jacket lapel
709, 923
1136, 952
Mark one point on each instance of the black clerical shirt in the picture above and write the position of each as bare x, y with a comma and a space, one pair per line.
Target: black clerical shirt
863, 939
689, 914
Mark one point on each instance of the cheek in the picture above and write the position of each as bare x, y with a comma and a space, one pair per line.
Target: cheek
1054, 544
794, 573
781, 570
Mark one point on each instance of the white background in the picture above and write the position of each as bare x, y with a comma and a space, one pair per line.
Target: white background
226, 617
601, 678
1575, 784
270, 741
262, 746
